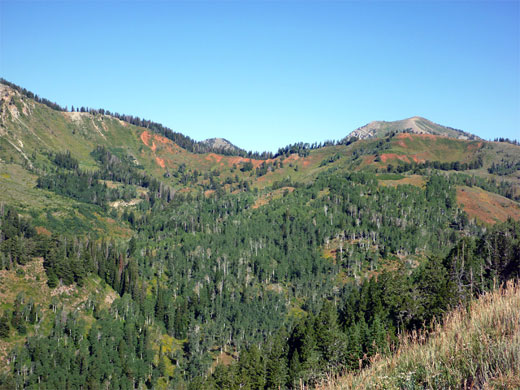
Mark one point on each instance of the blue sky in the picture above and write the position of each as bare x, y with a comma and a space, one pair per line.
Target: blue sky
265, 74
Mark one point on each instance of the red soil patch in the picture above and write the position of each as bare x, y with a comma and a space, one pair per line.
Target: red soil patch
42, 230
392, 156
146, 137
485, 206
161, 139
160, 162
306, 163
150, 139
402, 144
236, 160
213, 156
417, 159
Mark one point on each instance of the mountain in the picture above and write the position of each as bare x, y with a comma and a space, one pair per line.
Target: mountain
192, 265
221, 144
414, 125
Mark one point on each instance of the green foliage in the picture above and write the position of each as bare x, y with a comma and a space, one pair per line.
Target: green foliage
114, 351
504, 168
18, 239
216, 272
4, 326
65, 160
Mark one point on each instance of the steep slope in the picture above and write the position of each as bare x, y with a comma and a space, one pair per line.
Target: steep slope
474, 348
415, 125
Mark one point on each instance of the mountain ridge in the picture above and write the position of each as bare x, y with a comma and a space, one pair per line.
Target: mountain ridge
374, 129
414, 125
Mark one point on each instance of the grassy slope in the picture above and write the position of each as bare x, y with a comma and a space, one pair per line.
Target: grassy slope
485, 206
474, 348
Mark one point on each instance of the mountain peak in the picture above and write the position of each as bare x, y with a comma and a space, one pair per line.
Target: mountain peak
220, 143
415, 125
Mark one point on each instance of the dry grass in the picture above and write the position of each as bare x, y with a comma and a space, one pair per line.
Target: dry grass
477, 348
486, 206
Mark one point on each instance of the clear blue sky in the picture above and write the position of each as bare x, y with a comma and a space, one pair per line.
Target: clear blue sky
265, 74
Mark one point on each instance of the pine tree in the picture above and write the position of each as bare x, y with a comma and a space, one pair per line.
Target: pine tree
277, 372
4, 326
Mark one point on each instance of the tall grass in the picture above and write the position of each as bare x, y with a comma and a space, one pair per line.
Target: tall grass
475, 348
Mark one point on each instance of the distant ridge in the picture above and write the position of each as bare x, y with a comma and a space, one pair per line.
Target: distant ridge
416, 125
221, 144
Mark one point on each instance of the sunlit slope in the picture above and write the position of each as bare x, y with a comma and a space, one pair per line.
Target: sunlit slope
416, 124
475, 348
30, 131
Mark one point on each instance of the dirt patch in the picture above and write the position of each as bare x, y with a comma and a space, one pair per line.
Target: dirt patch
417, 159
158, 143
486, 206
146, 137
42, 230
75, 117
236, 160
110, 297
160, 162
213, 156
162, 140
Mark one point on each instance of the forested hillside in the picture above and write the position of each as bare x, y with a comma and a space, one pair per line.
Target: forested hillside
165, 265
